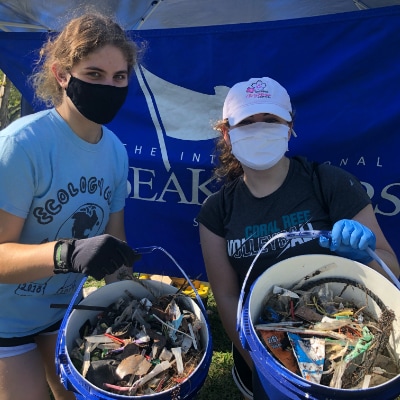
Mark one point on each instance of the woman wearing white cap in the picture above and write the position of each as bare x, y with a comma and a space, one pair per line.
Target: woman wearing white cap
265, 193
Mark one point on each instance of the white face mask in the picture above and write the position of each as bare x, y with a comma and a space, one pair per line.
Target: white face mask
259, 145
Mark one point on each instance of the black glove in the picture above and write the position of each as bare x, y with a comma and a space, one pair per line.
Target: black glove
96, 256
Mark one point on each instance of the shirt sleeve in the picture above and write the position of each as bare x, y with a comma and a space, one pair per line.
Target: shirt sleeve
17, 178
342, 191
210, 214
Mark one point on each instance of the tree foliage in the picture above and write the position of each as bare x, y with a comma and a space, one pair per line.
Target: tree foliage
10, 101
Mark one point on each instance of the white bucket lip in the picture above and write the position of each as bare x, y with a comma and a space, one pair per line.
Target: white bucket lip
125, 284
319, 260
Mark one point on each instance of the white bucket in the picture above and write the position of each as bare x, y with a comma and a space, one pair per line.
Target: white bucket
280, 383
104, 296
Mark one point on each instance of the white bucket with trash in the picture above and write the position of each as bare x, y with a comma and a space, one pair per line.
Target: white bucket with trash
278, 381
77, 316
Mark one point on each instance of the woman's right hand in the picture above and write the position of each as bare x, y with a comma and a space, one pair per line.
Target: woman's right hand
96, 256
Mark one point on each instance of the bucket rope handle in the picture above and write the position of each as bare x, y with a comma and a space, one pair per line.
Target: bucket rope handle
150, 249
304, 234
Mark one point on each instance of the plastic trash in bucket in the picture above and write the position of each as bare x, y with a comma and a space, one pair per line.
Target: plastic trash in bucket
74, 319
277, 381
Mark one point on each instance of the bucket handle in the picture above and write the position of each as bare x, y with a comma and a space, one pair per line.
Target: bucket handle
60, 338
304, 234
384, 267
150, 249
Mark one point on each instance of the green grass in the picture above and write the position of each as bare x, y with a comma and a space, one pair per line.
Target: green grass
219, 384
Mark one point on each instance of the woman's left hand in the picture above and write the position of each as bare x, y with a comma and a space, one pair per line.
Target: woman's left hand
350, 239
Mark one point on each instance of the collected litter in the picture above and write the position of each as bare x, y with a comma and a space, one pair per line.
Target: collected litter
138, 347
319, 330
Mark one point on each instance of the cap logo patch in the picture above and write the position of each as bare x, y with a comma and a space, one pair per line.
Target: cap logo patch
258, 89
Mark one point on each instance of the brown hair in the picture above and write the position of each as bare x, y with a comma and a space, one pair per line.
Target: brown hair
229, 167
80, 37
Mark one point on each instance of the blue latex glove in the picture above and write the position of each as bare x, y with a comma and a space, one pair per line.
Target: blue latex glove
350, 239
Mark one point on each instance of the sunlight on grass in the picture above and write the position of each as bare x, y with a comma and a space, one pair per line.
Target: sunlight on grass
219, 384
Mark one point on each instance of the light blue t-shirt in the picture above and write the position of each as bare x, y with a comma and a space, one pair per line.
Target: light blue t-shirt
63, 187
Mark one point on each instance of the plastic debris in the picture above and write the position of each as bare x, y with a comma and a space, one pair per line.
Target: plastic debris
318, 332
278, 344
310, 355
140, 347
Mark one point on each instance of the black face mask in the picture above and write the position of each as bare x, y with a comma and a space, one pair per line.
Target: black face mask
98, 103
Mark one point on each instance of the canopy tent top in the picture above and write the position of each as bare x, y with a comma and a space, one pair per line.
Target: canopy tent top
42, 15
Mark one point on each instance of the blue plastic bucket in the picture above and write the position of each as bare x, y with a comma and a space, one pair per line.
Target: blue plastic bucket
104, 296
280, 383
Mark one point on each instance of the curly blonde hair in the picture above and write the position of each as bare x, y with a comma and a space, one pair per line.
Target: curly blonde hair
80, 37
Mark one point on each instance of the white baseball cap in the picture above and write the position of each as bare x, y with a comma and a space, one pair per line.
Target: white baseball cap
257, 95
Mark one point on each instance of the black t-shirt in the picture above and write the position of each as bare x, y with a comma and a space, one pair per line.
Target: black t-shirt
305, 201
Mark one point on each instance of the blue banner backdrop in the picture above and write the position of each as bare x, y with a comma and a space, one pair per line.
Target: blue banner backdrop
342, 72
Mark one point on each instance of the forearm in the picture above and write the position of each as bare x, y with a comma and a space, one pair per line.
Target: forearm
389, 259
227, 309
20, 263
